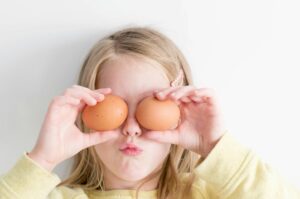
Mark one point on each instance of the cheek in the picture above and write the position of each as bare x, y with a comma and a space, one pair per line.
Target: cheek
101, 150
106, 151
160, 152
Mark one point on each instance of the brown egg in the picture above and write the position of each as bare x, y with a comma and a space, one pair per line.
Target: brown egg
157, 115
106, 115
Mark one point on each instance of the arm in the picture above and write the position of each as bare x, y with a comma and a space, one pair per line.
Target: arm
233, 171
59, 139
27, 180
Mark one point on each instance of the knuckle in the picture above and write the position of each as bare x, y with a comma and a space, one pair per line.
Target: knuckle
55, 100
68, 91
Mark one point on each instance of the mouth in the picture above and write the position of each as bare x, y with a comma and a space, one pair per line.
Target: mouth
130, 149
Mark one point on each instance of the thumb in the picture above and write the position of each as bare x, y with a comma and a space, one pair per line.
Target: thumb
168, 136
97, 137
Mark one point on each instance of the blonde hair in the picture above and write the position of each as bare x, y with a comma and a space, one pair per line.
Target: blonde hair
146, 42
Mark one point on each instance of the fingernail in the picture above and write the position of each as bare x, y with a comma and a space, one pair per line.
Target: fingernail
93, 102
160, 95
173, 94
100, 97
107, 89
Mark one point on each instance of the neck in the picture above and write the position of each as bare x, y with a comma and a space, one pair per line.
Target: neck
113, 182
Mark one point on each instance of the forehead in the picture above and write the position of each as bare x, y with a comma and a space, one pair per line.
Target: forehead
130, 77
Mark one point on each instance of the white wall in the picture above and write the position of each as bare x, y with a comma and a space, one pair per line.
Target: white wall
248, 51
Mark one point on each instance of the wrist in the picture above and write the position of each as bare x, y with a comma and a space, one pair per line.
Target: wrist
209, 147
41, 161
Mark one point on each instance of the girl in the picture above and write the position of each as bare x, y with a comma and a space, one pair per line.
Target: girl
197, 159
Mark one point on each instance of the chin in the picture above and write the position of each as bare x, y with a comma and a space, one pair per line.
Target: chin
133, 175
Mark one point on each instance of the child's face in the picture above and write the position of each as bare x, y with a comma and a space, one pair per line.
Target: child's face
132, 79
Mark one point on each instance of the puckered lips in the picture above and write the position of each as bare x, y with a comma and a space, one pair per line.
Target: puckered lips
130, 149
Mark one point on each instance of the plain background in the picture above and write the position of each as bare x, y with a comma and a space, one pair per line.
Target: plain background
248, 51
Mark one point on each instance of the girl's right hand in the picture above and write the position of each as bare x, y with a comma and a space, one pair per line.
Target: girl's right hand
59, 137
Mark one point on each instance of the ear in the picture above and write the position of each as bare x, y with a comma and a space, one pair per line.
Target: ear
178, 80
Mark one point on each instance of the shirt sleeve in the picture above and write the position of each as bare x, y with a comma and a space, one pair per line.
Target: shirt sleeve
27, 180
233, 171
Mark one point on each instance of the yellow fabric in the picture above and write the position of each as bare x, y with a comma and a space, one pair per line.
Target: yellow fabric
230, 171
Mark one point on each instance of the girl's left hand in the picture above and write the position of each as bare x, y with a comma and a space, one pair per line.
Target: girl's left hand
201, 126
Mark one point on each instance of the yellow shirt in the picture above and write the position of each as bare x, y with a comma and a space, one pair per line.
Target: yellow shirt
230, 171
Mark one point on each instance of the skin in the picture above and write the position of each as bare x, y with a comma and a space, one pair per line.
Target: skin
200, 128
132, 79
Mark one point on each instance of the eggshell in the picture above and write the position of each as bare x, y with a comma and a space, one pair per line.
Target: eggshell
106, 115
157, 115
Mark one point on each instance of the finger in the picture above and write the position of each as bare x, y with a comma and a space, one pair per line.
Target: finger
82, 88
208, 97
196, 99
164, 92
86, 97
169, 136
186, 99
64, 100
98, 137
98, 94
182, 92
206, 94
103, 90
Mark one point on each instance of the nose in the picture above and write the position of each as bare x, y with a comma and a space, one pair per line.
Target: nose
131, 127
